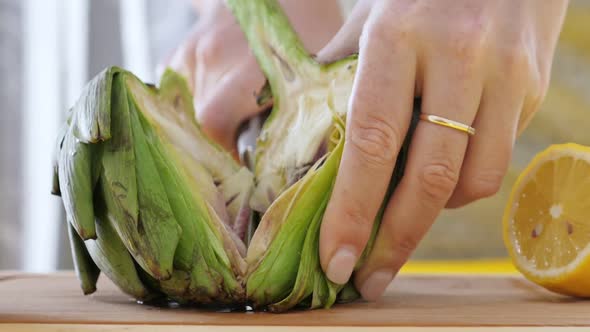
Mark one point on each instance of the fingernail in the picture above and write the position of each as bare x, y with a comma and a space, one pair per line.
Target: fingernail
341, 265
376, 284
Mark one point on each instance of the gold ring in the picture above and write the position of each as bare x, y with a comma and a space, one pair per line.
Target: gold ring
448, 123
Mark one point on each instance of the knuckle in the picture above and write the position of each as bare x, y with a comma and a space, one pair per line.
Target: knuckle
209, 49
474, 25
354, 215
375, 140
212, 118
467, 51
394, 24
384, 32
438, 179
517, 63
483, 184
467, 42
405, 245
205, 116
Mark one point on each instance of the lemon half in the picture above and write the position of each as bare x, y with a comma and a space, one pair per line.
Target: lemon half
547, 220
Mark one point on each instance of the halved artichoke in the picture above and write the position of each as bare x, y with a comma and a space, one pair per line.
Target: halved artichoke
163, 211
151, 196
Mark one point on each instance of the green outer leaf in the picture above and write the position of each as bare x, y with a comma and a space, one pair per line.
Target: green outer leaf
157, 229
310, 271
309, 268
267, 282
217, 273
84, 266
76, 168
76, 187
201, 250
189, 215
177, 196
177, 286
276, 275
120, 192
270, 225
320, 291
91, 120
152, 284
113, 259
348, 293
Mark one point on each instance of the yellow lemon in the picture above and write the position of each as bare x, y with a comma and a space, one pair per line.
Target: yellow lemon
547, 220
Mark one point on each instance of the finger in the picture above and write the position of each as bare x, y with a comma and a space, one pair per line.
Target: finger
183, 58
529, 110
346, 40
216, 55
432, 171
379, 114
490, 150
232, 102
532, 102
314, 32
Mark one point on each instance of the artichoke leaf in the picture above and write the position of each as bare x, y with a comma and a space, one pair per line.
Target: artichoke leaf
86, 271
76, 187
110, 255
91, 114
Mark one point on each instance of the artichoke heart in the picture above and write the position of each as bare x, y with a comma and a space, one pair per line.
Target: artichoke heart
165, 212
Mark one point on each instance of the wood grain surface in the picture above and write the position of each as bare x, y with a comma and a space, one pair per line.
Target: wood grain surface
412, 300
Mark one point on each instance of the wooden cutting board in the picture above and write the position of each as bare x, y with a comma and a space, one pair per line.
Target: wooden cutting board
30, 301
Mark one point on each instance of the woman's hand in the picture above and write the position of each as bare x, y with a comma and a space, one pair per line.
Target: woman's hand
222, 73
482, 63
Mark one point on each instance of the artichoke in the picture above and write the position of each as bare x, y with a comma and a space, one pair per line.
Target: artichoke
164, 212
160, 208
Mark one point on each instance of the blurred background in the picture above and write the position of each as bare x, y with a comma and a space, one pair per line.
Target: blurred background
50, 48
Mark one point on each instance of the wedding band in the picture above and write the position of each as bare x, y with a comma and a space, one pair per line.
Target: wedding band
439, 120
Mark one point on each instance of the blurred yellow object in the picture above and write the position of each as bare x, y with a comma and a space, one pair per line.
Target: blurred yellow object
547, 220
482, 266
